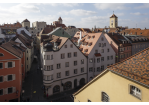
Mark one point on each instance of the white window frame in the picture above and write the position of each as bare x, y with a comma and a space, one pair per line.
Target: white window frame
135, 91
58, 66
69, 55
102, 97
75, 71
67, 73
59, 75
98, 61
91, 69
82, 61
63, 56
75, 63
67, 64
2, 54
82, 69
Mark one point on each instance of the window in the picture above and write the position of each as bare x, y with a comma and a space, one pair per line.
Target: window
102, 58
105, 97
108, 50
27, 58
75, 54
91, 60
75, 63
71, 46
1, 65
62, 56
111, 57
67, 64
75, 71
82, 61
48, 67
44, 56
9, 64
69, 55
96, 51
82, 70
89, 100
102, 39
58, 66
9, 90
67, 73
51, 57
9, 77
50, 77
65, 46
99, 44
48, 57
1, 54
90, 69
107, 57
98, 60
102, 67
1, 78
135, 91
58, 75
1, 91
104, 44
98, 69
102, 51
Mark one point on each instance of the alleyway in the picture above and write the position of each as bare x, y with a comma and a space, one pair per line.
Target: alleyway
33, 88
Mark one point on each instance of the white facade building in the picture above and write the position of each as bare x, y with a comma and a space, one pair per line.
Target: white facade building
64, 66
100, 53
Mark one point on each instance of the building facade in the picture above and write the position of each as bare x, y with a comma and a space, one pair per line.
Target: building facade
99, 52
120, 45
12, 61
139, 43
126, 81
64, 66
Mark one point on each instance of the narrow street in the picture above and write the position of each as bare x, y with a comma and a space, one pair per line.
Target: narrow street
33, 88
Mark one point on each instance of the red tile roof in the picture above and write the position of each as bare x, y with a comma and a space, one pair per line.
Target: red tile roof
135, 67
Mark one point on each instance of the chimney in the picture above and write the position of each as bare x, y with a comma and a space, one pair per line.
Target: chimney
80, 35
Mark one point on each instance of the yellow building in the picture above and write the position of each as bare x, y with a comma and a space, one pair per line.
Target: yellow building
126, 81
113, 21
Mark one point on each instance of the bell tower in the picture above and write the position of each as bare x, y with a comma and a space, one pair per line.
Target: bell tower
113, 21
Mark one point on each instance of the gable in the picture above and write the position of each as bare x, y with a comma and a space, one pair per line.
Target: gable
7, 54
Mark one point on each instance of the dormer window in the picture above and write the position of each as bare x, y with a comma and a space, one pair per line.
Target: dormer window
141, 33
90, 44
93, 37
1, 54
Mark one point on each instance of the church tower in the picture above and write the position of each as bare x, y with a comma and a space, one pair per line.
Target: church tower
60, 20
113, 21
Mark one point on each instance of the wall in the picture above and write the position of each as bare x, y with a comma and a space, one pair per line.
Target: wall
116, 87
17, 83
57, 59
105, 54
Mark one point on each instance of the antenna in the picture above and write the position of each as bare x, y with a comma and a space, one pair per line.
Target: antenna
113, 12
136, 25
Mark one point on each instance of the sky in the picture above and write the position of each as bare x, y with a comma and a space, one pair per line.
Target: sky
81, 15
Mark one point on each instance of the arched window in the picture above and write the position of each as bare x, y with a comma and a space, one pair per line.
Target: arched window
56, 89
135, 91
67, 85
104, 97
1, 54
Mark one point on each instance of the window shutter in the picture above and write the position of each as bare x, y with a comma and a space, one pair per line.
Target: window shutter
5, 78
14, 77
14, 89
6, 91
13, 64
6, 65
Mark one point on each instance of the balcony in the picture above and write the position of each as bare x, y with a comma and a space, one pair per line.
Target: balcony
46, 72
